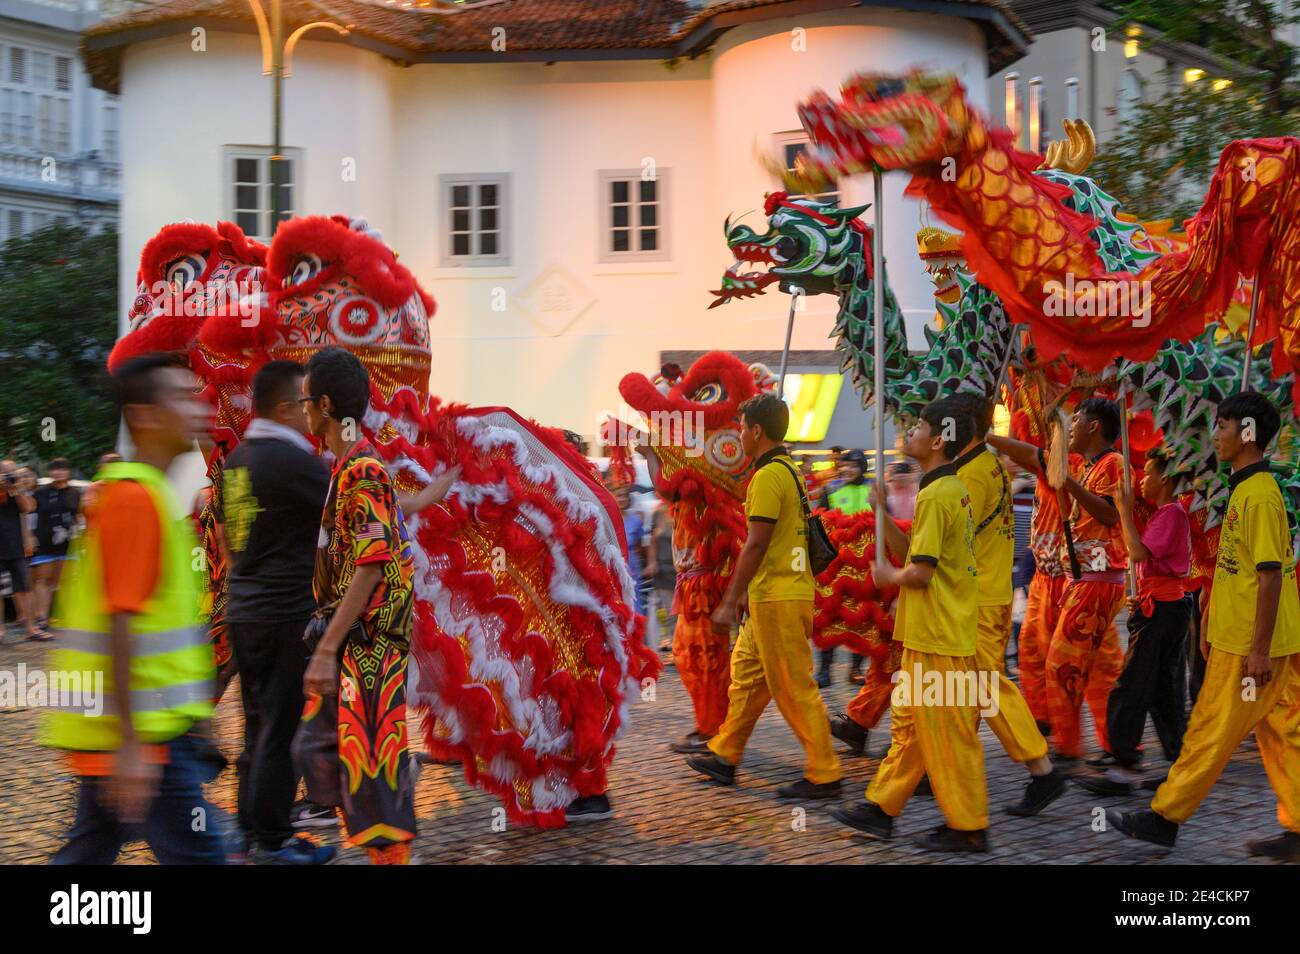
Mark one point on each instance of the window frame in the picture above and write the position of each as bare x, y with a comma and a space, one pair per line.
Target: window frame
446, 183
662, 178
229, 155
33, 101
797, 137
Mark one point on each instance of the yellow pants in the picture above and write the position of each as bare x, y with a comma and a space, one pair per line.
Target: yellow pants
942, 741
1221, 719
773, 660
1014, 723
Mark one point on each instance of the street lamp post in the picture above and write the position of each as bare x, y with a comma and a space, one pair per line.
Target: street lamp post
277, 109
277, 59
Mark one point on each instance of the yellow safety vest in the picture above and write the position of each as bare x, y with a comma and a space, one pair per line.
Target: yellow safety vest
172, 671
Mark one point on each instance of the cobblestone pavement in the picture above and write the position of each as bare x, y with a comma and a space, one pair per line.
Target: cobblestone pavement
665, 813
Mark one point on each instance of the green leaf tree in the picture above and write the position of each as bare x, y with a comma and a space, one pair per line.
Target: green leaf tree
1159, 164
58, 322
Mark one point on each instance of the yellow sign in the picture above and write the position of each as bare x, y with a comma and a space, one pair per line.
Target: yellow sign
812, 400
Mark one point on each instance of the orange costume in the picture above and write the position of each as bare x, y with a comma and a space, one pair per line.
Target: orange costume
1046, 590
1084, 658
701, 652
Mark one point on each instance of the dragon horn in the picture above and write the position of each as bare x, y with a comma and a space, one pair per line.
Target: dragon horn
1075, 154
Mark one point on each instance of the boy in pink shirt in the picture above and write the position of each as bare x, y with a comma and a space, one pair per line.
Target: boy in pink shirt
1154, 679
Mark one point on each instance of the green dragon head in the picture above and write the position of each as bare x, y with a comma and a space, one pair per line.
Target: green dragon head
810, 245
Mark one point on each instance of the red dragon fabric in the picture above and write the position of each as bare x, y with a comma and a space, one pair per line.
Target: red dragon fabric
1022, 242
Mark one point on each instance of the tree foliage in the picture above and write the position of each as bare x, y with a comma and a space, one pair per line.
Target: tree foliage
58, 321
1160, 162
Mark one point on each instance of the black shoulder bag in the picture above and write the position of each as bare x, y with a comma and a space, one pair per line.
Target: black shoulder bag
820, 549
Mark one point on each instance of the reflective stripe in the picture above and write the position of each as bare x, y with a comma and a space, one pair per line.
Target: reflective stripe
142, 644
151, 701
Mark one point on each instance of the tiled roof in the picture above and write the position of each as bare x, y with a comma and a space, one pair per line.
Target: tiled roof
442, 31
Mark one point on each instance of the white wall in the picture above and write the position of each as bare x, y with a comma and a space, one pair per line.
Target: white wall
179, 108
552, 128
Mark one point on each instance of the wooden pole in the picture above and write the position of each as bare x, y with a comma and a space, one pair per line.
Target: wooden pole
878, 387
1255, 295
795, 293
1131, 579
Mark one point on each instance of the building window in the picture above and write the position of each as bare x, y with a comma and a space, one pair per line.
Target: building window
474, 216
634, 220
791, 145
248, 187
15, 223
36, 100
1130, 95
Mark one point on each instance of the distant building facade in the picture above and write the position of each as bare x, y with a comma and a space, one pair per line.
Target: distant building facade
1078, 68
59, 136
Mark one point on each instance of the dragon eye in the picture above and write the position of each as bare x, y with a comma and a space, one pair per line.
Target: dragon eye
184, 271
304, 269
711, 393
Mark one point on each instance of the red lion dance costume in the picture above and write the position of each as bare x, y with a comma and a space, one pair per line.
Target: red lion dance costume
694, 423
527, 648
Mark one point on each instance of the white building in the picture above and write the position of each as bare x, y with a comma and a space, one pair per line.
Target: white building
59, 144
500, 148
1078, 68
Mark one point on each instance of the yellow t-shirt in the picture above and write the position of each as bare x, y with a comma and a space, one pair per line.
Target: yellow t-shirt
989, 487
784, 573
942, 617
1254, 537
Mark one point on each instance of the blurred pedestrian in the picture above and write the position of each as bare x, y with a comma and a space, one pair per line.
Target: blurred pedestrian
130, 608
16, 545
664, 574
57, 506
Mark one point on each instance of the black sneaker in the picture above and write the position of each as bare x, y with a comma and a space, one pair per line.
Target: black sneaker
1106, 760
294, 851
1041, 791
712, 766
923, 788
823, 679
690, 744
1067, 763
868, 818
806, 789
850, 733
944, 838
1144, 826
1044, 728
310, 815
1104, 785
590, 808
1285, 847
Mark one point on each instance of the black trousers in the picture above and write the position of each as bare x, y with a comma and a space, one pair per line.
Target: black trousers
272, 660
1154, 681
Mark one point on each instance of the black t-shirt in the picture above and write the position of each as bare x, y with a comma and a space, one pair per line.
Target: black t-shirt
273, 493
56, 518
11, 529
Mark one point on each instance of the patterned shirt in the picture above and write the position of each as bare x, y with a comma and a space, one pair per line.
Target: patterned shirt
363, 524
